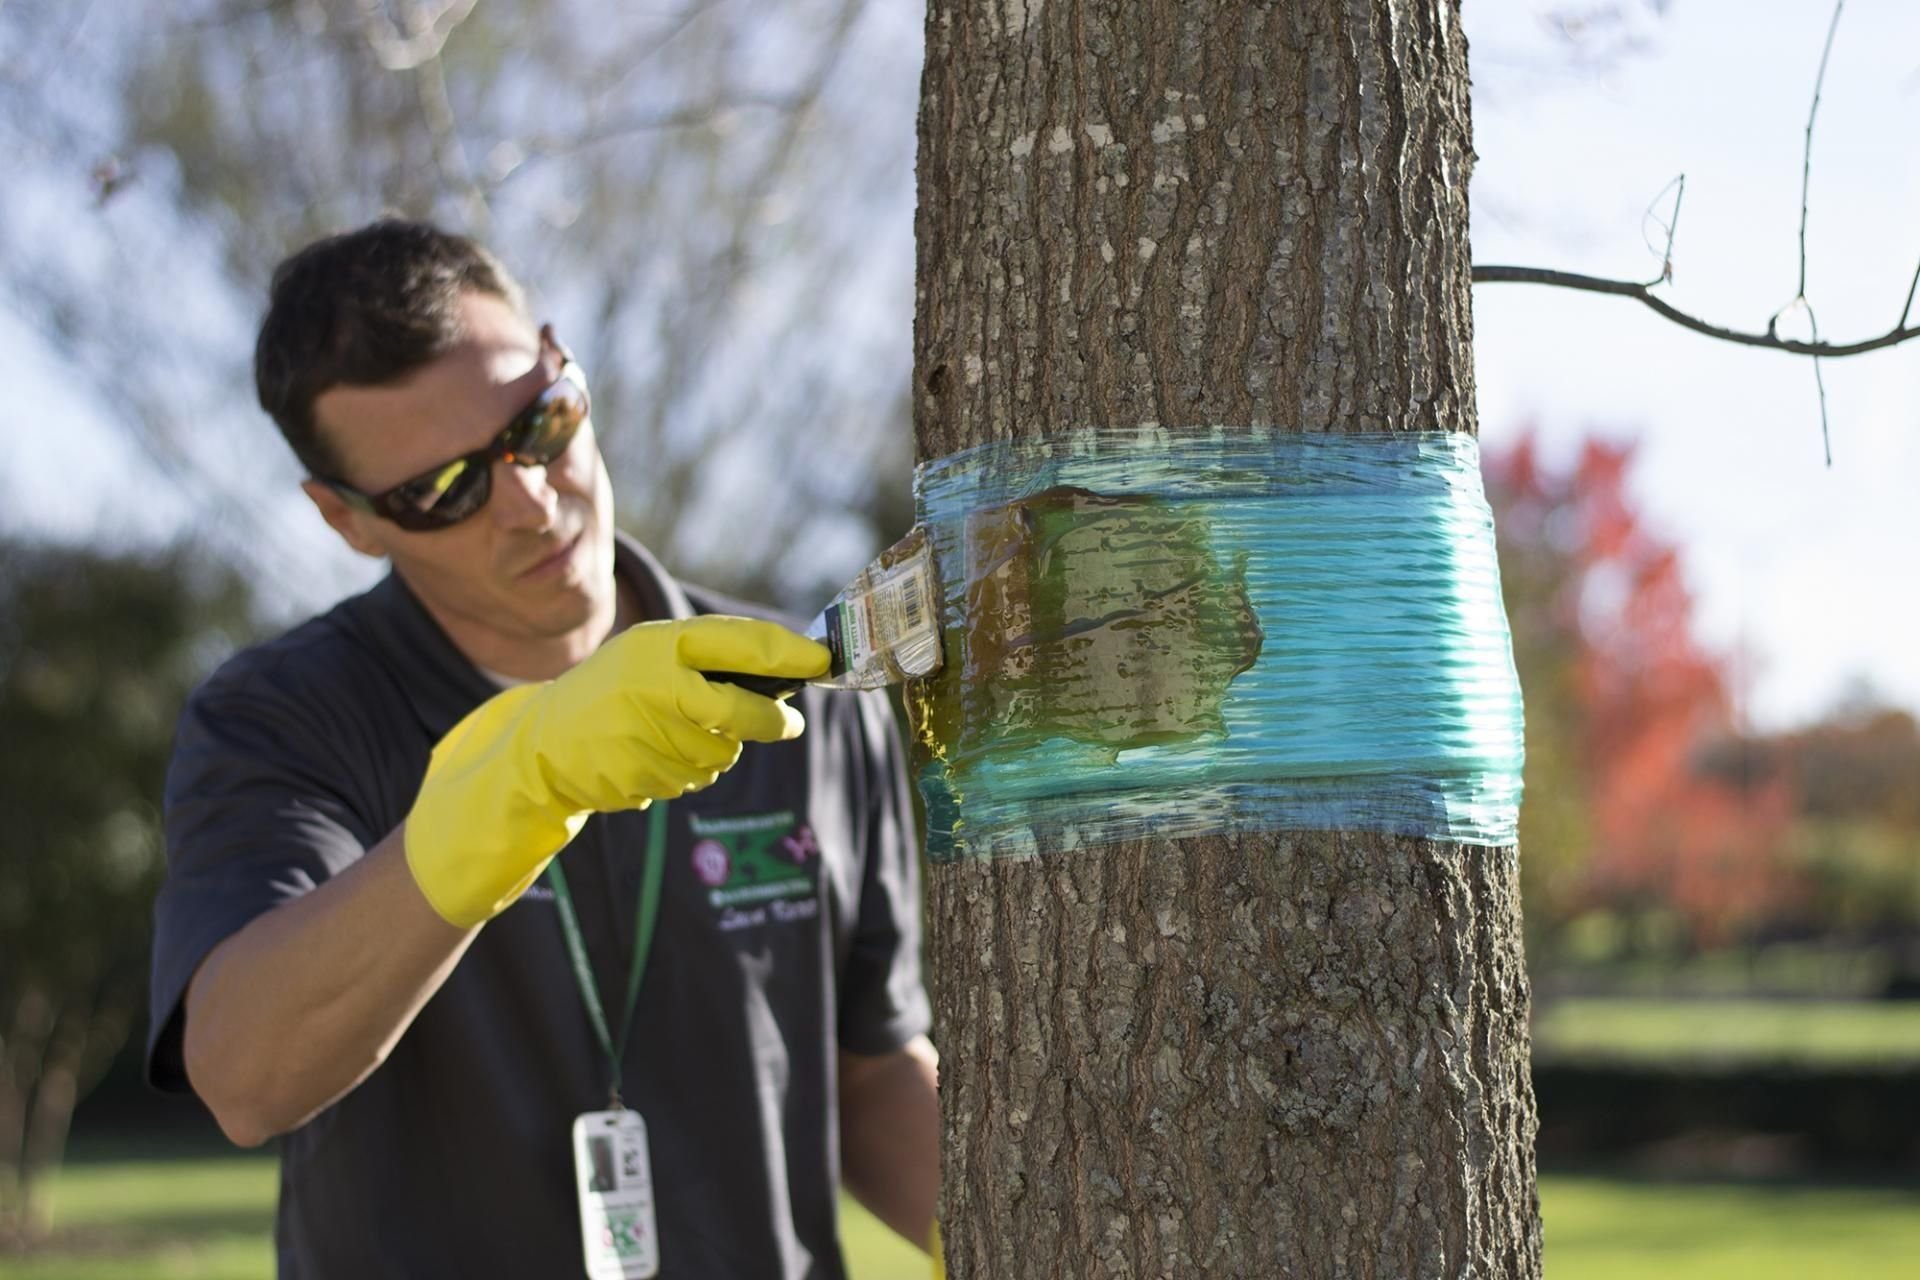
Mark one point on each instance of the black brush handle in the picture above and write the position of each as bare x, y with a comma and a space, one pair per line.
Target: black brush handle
766, 686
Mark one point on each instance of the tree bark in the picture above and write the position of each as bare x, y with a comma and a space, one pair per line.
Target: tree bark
1301, 1055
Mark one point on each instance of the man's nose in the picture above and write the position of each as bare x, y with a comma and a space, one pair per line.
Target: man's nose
522, 497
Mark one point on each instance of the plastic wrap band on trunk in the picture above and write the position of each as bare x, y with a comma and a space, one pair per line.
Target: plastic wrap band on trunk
1158, 635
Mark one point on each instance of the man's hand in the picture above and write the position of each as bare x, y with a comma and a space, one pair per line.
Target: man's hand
636, 722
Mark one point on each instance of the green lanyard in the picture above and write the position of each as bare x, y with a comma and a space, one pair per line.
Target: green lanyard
646, 911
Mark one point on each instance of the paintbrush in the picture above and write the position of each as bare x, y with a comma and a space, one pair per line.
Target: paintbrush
882, 628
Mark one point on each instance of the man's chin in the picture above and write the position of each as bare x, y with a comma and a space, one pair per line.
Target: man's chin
571, 607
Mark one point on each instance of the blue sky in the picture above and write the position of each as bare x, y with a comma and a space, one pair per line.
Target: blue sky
1810, 570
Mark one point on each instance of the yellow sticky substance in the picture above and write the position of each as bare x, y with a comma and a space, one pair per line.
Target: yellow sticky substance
1104, 620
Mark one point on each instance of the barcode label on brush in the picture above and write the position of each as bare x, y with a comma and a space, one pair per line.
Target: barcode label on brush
885, 627
873, 628
910, 607
899, 609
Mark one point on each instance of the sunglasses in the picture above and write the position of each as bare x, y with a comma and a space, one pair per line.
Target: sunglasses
452, 491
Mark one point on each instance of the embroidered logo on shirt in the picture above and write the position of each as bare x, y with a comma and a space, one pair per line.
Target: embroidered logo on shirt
758, 868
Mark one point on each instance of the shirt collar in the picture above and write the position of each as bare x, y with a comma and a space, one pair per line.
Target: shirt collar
439, 682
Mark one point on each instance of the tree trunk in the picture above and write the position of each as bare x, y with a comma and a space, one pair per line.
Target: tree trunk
23, 1042
1297, 1055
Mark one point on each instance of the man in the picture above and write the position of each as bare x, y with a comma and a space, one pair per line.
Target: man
406, 842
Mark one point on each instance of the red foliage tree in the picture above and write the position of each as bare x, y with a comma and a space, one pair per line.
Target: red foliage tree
1622, 701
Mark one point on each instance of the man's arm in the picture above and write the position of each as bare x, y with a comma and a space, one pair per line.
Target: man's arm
306, 999
289, 1014
890, 1135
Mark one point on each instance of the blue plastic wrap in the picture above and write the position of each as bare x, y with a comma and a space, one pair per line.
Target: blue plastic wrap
1164, 635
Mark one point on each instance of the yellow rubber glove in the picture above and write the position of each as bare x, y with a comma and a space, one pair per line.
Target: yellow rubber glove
512, 783
938, 1251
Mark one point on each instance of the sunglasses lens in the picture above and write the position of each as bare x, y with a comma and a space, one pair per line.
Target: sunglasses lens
543, 432
438, 499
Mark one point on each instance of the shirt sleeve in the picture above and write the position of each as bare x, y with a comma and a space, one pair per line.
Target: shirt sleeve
256, 814
883, 1000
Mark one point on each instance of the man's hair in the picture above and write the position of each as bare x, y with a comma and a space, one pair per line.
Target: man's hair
364, 309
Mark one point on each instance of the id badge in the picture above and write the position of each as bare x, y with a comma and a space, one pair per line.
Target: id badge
615, 1183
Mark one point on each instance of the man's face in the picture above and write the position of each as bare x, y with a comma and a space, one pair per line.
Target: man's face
524, 585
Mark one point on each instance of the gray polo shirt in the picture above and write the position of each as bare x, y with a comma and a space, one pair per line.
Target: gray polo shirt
788, 929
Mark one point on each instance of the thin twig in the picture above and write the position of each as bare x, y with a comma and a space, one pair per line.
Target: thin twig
1679, 188
1826, 436
1820, 384
1806, 155
1908, 309
1641, 293
634, 60
549, 146
1806, 167
1806, 182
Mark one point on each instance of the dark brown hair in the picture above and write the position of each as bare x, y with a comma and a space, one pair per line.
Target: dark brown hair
362, 310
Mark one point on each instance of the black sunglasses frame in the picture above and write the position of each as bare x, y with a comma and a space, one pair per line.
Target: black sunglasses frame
393, 504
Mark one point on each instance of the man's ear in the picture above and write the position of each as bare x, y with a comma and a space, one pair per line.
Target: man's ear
349, 523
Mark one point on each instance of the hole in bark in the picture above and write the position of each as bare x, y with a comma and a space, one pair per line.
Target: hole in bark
937, 380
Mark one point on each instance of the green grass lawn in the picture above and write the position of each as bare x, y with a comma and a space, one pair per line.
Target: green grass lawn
1643, 1030
1603, 1229
210, 1218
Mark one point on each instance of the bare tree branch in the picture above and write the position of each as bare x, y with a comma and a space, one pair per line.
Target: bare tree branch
1643, 293
427, 30
1908, 309
693, 116
225, 16
450, 155
242, 525
1771, 339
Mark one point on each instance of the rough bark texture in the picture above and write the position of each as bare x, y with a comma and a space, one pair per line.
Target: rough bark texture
1304, 1055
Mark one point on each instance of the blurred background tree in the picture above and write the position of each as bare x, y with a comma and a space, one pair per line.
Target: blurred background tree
1621, 698
674, 184
1654, 824
1854, 842
97, 653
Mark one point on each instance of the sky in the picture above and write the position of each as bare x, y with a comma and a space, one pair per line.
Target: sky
1812, 572
1804, 571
